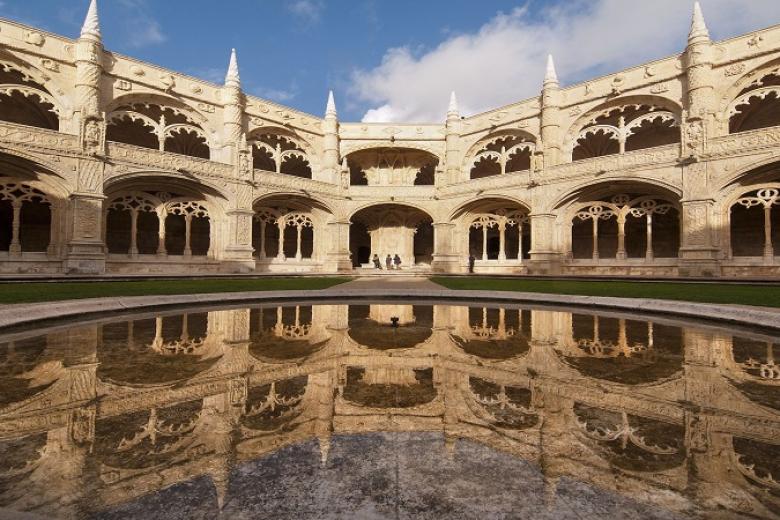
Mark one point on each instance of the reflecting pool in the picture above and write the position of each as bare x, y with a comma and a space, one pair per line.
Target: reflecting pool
384, 410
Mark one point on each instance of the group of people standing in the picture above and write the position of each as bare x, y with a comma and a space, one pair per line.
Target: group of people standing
392, 262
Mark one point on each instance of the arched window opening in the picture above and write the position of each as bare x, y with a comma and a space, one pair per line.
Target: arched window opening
161, 224
625, 129
626, 226
502, 234
283, 233
755, 220
159, 128
132, 225
280, 154
392, 167
25, 219
501, 155
390, 230
25, 102
756, 106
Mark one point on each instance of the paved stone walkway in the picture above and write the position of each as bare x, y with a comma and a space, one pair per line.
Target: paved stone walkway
391, 282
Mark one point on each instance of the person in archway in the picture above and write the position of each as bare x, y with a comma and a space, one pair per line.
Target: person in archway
377, 263
472, 261
389, 262
397, 261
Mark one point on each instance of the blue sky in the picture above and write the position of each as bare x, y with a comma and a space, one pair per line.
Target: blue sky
395, 59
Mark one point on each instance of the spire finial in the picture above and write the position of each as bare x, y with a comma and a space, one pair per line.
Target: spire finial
91, 27
698, 25
330, 109
550, 76
453, 108
232, 78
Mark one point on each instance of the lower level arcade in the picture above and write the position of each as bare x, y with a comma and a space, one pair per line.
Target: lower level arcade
159, 225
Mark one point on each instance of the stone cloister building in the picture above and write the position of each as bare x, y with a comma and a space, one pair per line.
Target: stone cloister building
112, 165
684, 417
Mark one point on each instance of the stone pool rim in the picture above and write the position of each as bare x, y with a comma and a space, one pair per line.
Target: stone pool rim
19, 315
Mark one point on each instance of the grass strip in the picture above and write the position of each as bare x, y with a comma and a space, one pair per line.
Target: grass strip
753, 294
31, 292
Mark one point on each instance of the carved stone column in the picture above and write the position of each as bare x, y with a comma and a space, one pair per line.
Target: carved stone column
337, 255
445, 252
86, 251
545, 259
238, 254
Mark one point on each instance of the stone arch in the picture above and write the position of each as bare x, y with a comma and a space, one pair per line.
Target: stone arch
750, 208
624, 124
24, 98
391, 229
289, 230
392, 166
501, 152
495, 231
761, 84
283, 151
155, 214
158, 122
620, 221
33, 202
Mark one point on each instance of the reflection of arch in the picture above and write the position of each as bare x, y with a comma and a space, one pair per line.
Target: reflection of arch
625, 124
283, 334
374, 389
269, 407
156, 352
505, 407
498, 334
753, 368
18, 360
623, 351
155, 437
632, 442
384, 335
759, 463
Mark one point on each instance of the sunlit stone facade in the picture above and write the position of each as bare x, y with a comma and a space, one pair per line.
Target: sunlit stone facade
112, 165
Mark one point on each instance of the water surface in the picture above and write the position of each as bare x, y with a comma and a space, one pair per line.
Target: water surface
389, 411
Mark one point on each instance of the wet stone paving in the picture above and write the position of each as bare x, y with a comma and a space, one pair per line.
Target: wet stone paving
387, 410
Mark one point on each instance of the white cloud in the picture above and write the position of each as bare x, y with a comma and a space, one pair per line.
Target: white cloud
308, 11
504, 60
141, 28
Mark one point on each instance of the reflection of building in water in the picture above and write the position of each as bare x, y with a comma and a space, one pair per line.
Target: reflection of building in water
112, 412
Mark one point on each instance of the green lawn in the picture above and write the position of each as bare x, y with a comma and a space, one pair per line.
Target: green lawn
763, 295
29, 292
